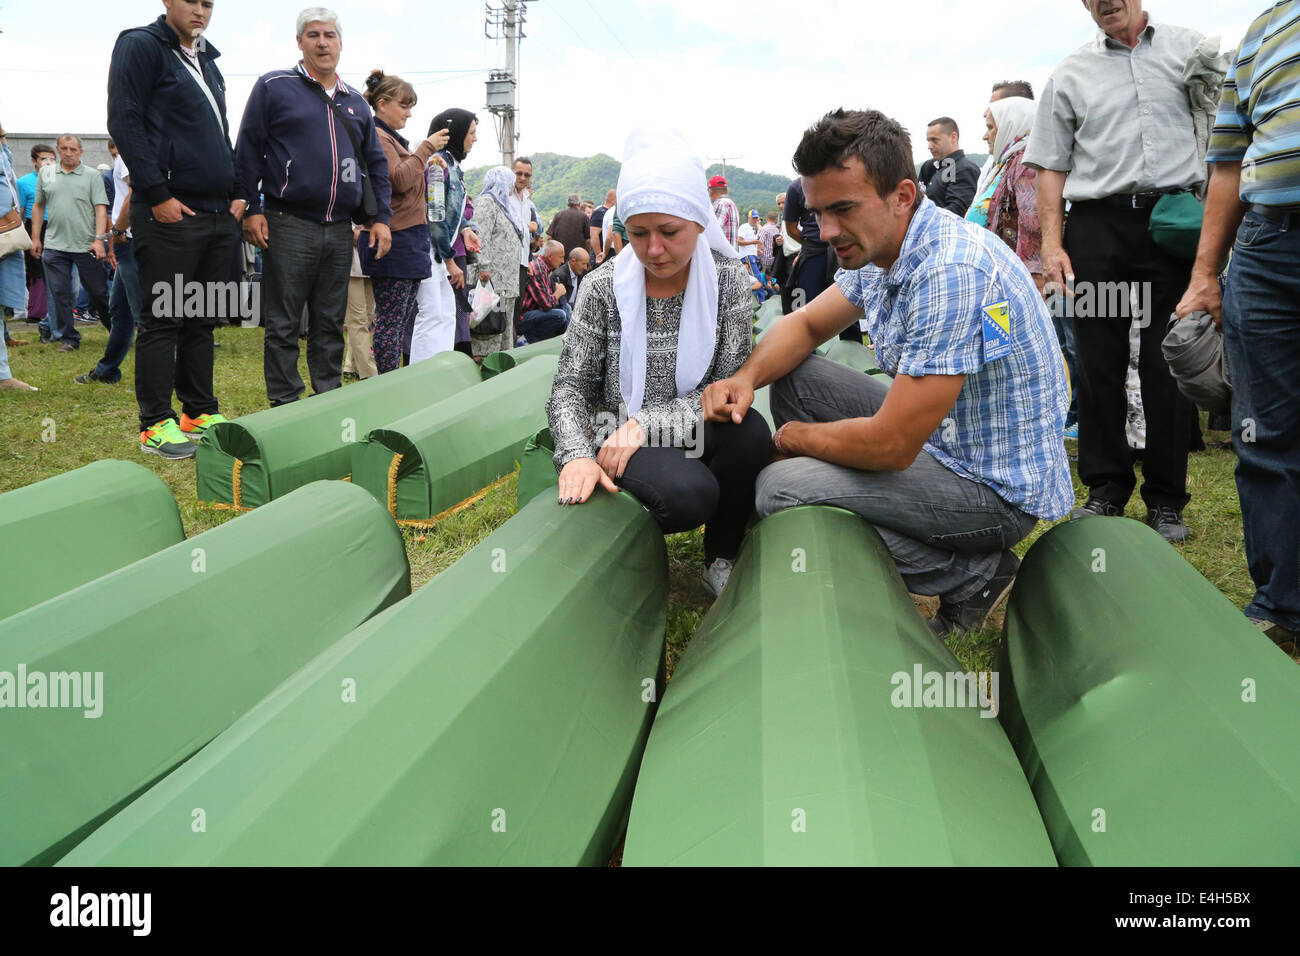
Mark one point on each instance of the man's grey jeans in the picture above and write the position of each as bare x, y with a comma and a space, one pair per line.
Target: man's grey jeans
946, 533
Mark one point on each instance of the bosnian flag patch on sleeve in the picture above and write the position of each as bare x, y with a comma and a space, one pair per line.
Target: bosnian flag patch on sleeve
997, 330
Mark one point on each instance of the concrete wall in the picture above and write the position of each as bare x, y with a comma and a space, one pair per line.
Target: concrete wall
94, 148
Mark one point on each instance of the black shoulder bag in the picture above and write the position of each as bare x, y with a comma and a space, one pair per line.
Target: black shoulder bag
368, 211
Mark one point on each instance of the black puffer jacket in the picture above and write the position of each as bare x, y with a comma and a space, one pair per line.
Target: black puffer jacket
164, 125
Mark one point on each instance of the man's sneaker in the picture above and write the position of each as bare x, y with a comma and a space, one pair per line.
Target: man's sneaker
46, 338
196, 428
88, 378
1072, 432
1169, 522
973, 613
717, 574
1279, 635
68, 347
83, 318
166, 441
1096, 506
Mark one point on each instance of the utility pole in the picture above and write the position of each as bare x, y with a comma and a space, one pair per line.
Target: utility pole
723, 161
505, 22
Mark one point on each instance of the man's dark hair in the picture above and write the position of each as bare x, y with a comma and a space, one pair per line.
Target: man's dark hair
41, 148
880, 142
947, 125
526, 160
1014, 88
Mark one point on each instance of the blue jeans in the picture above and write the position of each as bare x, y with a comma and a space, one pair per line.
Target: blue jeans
536, 325
124, 310
1261, 329
58, 281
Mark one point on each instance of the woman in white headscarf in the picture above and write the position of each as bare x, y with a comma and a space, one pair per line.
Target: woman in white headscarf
649, 331
1006, 199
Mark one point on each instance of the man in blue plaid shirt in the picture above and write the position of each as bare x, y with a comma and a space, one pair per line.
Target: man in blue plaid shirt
959, 458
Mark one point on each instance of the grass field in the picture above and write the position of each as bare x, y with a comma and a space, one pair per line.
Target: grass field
90, 422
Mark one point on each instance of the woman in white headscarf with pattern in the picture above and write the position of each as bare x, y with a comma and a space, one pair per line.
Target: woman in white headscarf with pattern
649, 331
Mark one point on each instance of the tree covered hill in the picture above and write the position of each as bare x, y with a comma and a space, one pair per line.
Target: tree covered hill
556, 176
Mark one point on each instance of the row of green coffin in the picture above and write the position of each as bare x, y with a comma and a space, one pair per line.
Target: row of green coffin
798, 728
783, 723
497, 716
268, 454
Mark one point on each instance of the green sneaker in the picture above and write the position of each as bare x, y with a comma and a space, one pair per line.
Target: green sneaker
166, 441
196, 428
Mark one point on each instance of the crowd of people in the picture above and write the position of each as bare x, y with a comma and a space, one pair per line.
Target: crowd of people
963, 278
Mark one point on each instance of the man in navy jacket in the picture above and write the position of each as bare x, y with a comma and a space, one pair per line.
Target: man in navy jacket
167, 114
297, 151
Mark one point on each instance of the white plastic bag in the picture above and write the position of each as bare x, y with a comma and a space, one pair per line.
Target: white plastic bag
481, 302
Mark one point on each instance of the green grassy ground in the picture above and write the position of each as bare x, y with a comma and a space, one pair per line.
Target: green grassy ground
90, 422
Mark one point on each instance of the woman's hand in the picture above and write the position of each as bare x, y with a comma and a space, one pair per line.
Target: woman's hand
472, 241
578, 479
439, 141
455, 275
620, 447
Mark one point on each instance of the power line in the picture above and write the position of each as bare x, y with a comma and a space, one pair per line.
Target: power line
580, 37
602, 19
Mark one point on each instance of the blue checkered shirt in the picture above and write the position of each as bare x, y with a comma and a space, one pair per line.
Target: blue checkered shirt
927, 315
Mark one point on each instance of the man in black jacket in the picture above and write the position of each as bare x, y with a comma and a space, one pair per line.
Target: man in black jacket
570, 272
950, 178
167, 114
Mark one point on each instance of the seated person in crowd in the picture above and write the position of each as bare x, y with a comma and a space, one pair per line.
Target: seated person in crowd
570, 274
651, 330
959, 458
546, 302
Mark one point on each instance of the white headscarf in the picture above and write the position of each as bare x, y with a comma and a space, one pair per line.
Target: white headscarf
662, 174
1014, 118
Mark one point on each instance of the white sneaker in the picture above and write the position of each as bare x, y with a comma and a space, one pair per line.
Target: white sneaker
717, 574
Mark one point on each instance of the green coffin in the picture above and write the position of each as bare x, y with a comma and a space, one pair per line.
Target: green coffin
498, 362
254, 459
768, 313
853, 354
497, 716
64, 531
1156, 726
186, 641
779, 741
421, 465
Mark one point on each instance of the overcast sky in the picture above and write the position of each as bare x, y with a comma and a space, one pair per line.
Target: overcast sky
740, 79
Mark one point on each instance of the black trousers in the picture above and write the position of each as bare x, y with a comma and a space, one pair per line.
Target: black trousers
715, 489
1110, 244
305, 263
175, 349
